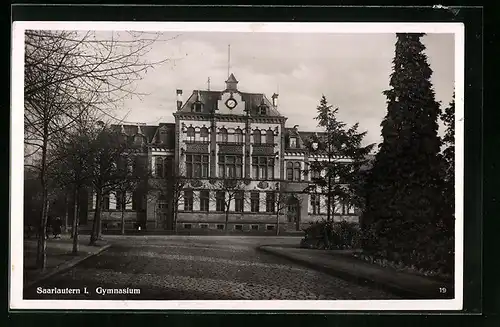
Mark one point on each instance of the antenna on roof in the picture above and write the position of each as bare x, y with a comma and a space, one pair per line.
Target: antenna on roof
208, 84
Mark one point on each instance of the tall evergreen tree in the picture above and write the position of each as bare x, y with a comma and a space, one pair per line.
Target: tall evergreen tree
345, 155
448, 118
405, 188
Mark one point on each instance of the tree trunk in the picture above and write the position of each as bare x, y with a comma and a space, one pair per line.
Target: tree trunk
123, 221
227, 217
277, 223
175, 219
97, 219
76, 218
41, 260
66, 214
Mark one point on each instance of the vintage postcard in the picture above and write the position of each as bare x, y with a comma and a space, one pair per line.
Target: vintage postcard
237, 166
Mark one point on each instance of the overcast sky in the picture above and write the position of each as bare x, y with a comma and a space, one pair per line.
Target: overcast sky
351, 70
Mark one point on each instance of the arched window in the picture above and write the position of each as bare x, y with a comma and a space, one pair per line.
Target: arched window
269, 137
204, 134
256, 136
238, 136
223, 134
190, 134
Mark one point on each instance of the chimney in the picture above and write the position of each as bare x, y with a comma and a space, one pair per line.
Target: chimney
179, 99
275, 100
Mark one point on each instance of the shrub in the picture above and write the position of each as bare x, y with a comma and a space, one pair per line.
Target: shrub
425, 247
332, 235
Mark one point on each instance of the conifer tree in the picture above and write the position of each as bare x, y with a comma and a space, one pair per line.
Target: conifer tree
342, 146
448, 118
405, 187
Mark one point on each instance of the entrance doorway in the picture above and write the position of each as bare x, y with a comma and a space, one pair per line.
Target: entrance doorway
293, 212
163, 214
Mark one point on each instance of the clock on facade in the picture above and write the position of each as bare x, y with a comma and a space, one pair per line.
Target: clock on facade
231, 103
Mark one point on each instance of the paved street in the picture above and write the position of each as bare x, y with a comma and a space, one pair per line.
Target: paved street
199, 268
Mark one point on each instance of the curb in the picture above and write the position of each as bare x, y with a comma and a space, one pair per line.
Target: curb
409, 294
64, 266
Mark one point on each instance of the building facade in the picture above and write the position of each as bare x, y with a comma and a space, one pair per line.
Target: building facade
229, 160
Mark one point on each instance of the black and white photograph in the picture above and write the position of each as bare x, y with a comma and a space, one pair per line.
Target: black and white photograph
269, 166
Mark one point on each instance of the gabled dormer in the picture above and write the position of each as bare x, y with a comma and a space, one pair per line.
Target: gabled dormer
263, 108
197, 105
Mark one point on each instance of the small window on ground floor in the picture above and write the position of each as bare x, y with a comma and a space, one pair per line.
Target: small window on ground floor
270, 227
187, 226
220, 226
255, 227
203, 226
238, 227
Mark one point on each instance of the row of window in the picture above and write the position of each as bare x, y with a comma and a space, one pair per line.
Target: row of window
236, 137
231, 166
345, 209
236, 227
221, 201
121, 201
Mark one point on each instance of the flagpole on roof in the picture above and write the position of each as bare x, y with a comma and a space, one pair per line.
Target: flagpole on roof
228, 59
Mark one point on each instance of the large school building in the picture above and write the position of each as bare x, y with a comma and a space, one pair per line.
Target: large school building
237, 157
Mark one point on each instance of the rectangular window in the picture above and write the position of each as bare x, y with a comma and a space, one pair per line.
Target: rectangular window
293, 142
315, 204
136, 201
204, 201
238, 227
220, 202
293, 171
220, 226
204, 226
105, 202
128, 200
187, 226
254, 202
270, 200
238, 201
230, 166
197, 165
270, 227
119, 200
188, 200
159, 167
255, 227
263, 168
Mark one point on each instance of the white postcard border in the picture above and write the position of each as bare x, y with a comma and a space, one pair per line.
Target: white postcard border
17, 169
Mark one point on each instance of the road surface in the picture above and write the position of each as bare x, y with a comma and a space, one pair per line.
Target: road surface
196, 268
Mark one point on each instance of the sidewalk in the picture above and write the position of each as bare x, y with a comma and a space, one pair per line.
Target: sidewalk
342, 265
59, 257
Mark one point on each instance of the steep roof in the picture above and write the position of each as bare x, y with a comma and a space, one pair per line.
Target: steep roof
231, 79
150, 132
210, 99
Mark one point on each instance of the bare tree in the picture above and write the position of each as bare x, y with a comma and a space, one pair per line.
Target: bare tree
178, 184
226, 190
107, 172
68, 73
126, 183
280, 202
73, 162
